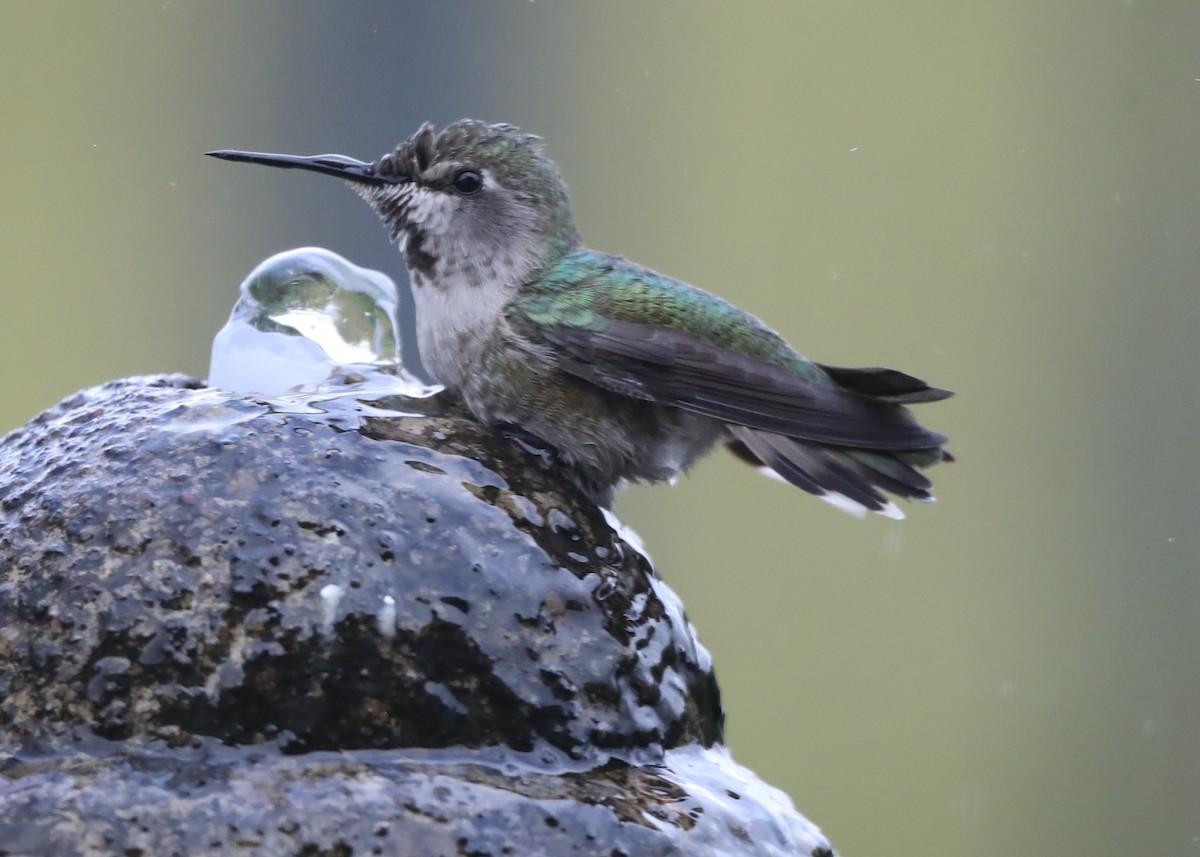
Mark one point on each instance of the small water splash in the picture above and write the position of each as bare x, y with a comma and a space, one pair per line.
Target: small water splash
331, 596
307, 316
626, 533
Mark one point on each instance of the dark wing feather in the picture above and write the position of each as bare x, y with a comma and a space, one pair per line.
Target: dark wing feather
888, 384
679, 368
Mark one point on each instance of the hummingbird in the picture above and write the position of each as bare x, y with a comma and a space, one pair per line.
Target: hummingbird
628, 374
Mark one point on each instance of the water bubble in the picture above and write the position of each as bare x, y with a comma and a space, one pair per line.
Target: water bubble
303, 316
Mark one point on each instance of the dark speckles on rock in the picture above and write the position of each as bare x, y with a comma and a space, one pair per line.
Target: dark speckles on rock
431, 620
424, 467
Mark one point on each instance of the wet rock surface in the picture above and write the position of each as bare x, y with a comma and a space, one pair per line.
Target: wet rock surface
320, 625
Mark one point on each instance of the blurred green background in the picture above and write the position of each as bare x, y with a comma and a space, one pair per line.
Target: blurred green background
1001, 197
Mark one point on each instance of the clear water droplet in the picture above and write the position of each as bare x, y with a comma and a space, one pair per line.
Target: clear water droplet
303, 316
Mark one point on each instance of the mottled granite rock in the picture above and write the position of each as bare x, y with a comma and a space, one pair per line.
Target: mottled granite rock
315, 625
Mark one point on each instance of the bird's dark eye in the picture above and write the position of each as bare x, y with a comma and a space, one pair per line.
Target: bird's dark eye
468, 182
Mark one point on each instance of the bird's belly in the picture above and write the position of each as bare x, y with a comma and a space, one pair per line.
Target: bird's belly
646, 443
611, 437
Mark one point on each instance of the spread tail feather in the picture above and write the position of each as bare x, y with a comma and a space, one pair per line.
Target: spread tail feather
853, 480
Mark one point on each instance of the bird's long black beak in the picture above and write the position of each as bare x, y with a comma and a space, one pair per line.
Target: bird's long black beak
331, 165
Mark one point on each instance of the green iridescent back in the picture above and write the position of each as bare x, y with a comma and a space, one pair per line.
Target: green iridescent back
586, 289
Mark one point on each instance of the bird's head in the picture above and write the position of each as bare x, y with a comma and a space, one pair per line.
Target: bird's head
473, 202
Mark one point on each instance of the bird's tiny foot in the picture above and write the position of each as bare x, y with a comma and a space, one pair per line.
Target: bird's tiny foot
529, 442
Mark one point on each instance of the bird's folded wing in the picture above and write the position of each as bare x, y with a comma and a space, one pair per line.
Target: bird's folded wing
681, 369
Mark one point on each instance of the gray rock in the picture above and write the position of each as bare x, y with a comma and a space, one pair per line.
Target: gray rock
321, 625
